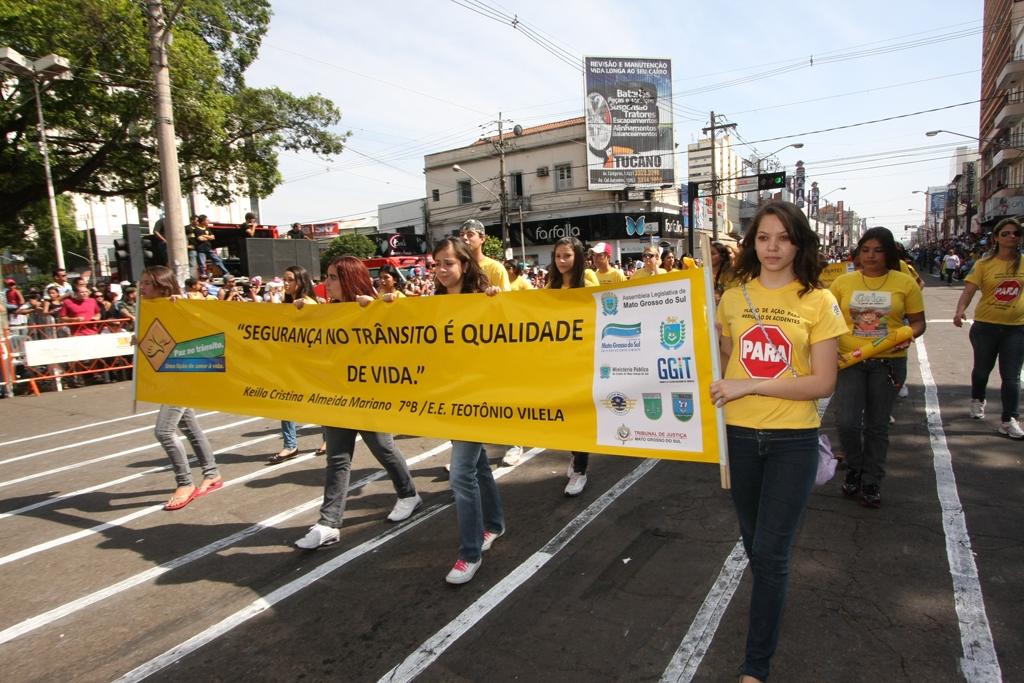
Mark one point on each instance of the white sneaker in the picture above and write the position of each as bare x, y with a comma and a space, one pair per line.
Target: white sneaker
903, 392
489, 538
977, 409
512, 456
1012, 429
892, 420
576, 483
462, 572
404, 508
318, 537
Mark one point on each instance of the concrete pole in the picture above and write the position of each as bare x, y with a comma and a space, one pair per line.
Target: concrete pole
170, 181
58, 243
502, 190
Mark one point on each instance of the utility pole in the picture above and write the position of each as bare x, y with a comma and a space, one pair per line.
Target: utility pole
502, 189
170, 181
714, 180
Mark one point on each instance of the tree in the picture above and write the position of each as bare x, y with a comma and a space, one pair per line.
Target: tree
30, 234
492, 248
100, 120
351, 244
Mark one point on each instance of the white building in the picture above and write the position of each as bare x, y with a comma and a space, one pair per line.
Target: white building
547, 196
728, 167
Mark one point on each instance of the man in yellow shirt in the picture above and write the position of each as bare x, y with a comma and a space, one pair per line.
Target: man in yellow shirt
473, 234
601, 253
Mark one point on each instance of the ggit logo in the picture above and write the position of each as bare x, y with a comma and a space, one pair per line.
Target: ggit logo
635, 227
1007, 290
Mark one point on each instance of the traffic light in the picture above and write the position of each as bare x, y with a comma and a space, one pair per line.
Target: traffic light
771, 181
149, 250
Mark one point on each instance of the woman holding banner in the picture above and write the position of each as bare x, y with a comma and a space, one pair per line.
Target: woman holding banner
477, 503
568, 270
773, 378
998, 329
158, 282
875, 300
298, 287
348, 280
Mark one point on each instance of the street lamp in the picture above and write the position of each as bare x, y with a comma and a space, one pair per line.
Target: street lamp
794, 145
933, 133
501, 204
45, 68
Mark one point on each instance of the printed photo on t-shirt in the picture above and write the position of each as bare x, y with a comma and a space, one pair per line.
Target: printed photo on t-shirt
869, 311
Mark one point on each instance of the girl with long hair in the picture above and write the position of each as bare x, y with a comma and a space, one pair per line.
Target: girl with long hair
477, 502
348, 280
875, 300
158, 282
770, 391
998, 329
568, 271
390, 279
722, 274
298, 287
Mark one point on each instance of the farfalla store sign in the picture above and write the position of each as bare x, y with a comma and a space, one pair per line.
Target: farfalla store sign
596, 228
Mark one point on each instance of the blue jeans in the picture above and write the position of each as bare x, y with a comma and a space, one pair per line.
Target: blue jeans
213, 256
772, 473
288, 434
341, 443
477, 503
1007, 343
864, 396
168, 421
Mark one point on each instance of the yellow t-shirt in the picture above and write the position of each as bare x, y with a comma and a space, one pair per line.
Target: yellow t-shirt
496, 273
689, 262
640, 273
875, 306
1000, 291
520, 284
909, 270
589, 280
793, 323
611, 277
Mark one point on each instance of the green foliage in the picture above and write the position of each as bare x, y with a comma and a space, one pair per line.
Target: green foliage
351, 244
30, 234
492, 248
100, 121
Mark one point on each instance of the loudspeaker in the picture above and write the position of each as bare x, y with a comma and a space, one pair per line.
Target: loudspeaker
269, 257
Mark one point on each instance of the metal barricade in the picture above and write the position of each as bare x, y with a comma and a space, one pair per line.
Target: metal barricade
72, 348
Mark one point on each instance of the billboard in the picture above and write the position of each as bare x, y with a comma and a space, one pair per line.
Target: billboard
628, 110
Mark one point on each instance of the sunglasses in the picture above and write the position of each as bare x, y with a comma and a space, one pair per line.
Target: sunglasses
1015, 233
650, 256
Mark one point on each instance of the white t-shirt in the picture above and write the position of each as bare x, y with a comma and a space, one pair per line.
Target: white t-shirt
951, 261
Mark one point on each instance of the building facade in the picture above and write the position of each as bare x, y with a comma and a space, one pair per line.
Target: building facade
1001, 173
546, 196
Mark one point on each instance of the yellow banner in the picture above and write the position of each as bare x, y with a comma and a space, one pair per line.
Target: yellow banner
620, 369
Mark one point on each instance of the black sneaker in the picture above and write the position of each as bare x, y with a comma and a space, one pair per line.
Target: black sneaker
851, 485
870, 496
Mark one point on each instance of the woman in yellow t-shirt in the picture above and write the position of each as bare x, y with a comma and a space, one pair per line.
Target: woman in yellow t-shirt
569, 270
517, 281
722, 275
389, 278
998, 329
775, 370
875, 300
478, 509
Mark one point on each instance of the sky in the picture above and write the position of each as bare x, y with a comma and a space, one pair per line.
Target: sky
413, 78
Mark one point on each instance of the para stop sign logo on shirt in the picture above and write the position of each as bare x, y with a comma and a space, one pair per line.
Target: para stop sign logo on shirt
764, 358
1007, 290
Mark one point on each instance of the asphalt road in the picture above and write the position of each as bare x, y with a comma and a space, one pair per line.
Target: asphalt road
638, 579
